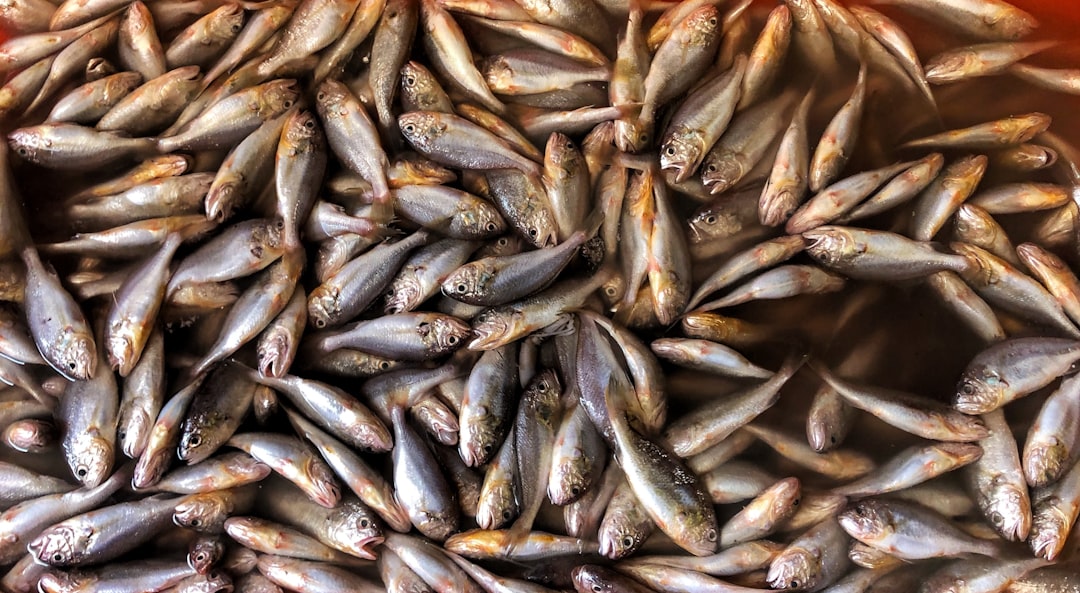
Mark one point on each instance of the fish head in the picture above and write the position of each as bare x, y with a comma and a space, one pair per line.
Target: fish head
331, 98
421, 128
833, 246
785, 497
438, 419
491, 327
273, 351
1009, 511
196, 441
952, 66
563, 154
418, 86
497, 506
981, 390
201, 512
470, 282
278, 97
972, 223
1011, 22
713, 221
1044, 461
504, 245
323, 305
75, 356
321, 484
483, 221
221, 199
302, 133
681, 154
405, 293
499, 75
632, 134
670, 294
205, 553
443, 334
673, 350
570, 478
438, 525
65, 581
703, 25
229, 21
695, 531
865, 520
1048, 533
418, 170
28, 142
589, 577
61, 545
216, 581
778, 205
538, 226
90, 458
354, 528
794, 568
373, 436
613, 289
120, 348
478, 435
620, 537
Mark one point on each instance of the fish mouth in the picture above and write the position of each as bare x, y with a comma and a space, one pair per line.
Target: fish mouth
363, 547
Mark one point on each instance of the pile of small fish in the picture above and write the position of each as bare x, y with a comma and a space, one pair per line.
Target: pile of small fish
294, 300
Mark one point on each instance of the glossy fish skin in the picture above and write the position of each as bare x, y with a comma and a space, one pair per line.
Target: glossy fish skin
1007, 287
840, 197
1051, 443
254, 244
780, 283
135, 308
357, 284
207, 512
991, 135
680, 507
744, 143
367, 484
87, 413
1053, 515
449, 212
139, 47
1055, 274
534, 437
349, 527
102, 534
498, 504
700, 122
298, 172
910, 467
444, 42
902, 188
401, 337
708, 356
419, 483
789, 177
280, 341
523, 202
288, 456
877, 255
486, 409
313, 26
441, 136
980, 60
267, 537
300, 574
431, 563
975, 226
838, 140
817, 557
154, 104
985, 20
710, 424
912, 413
255, 309
909, 531
233, 117
536, 71
168, 196
763, 514
228, 470
838, 464
244, 172
215, 414
680, 58
1014, 198
89, 102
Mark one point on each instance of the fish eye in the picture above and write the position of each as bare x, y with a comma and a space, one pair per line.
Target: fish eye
712, 22
235, 28
320, 97
967, 389
574, 491
503, 241
57, 557
287, 103
452, 340
506, 515
81, 471
384, 365
996, 518
410, 80
542, 386
461, 288
195, 440
627, 541
643, 137
610, 291
533, 232
487, 448
22, 151
711, 219
491, 227
409, 128
320, 323
310, 124
365, 523
71, 365
194, 522
200, 557
710, 535
710, 168
670, 151
794, 584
